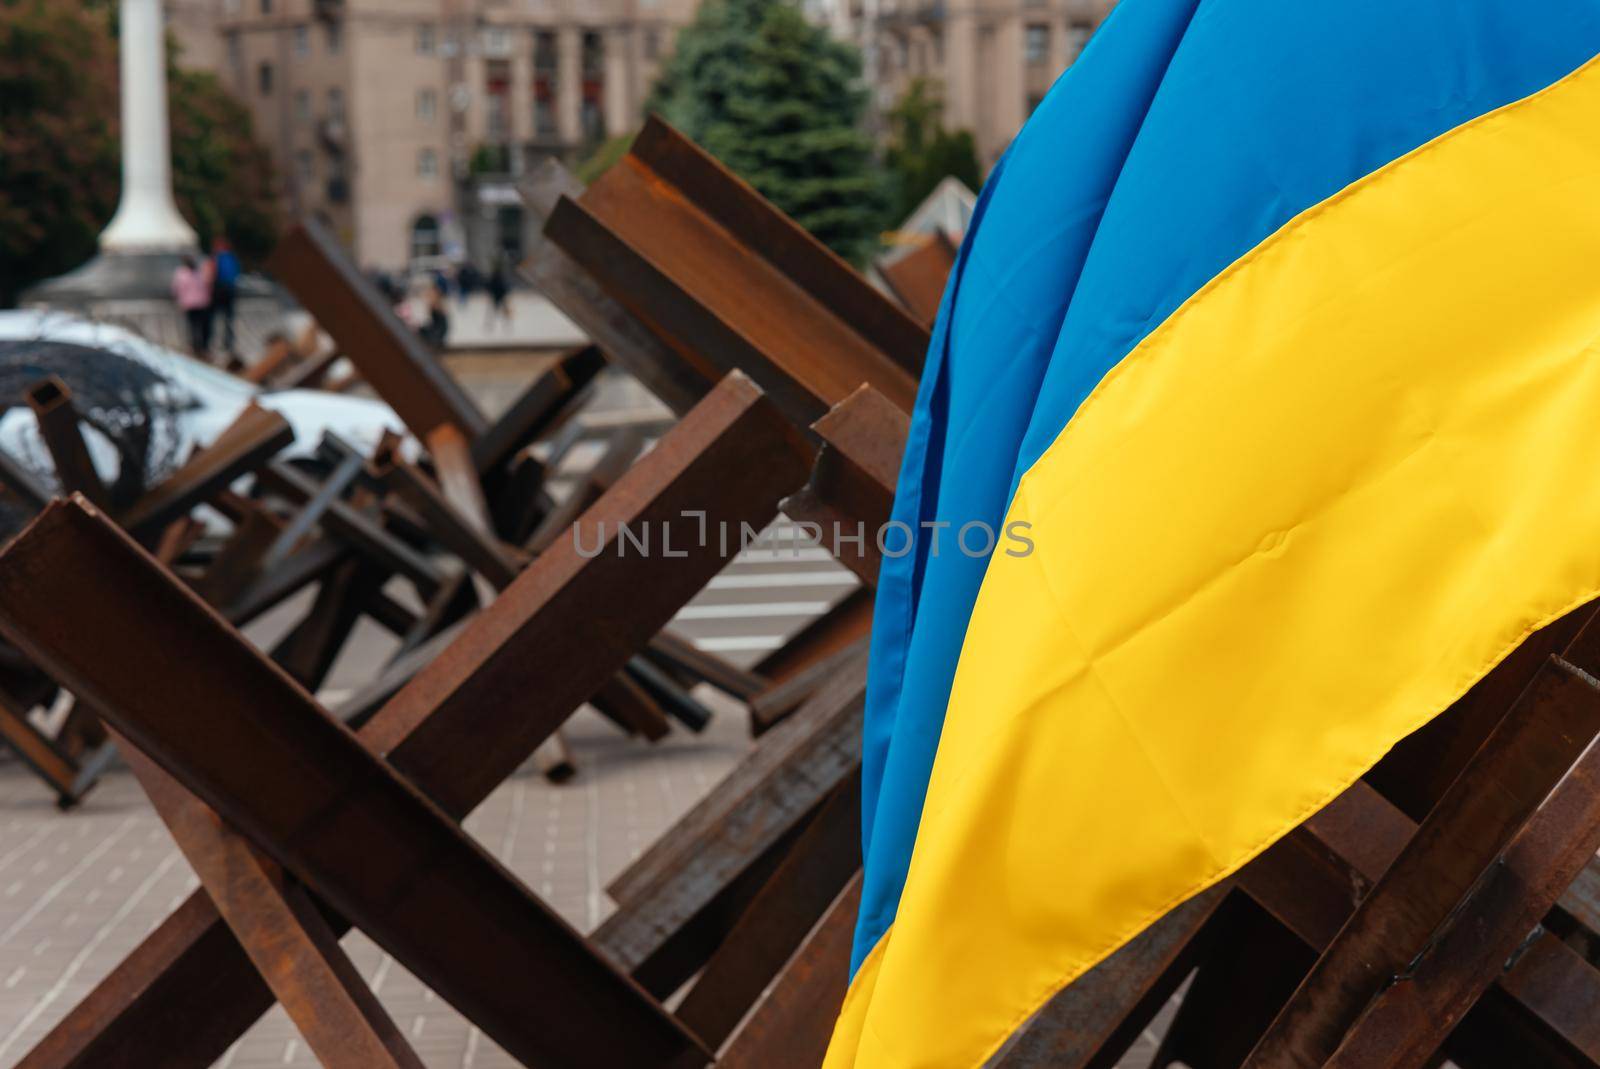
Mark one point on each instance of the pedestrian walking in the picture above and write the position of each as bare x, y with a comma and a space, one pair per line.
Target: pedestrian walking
224, 291
499, 289
191, 289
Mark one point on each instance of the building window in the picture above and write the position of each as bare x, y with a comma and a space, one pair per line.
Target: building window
235, 49
652, 43
425, 237
333, 37
594, 54
1077, 37
428, 164
302, 106
427, 104
336, 104
594, 123
427, 40
496, 41
266, 7
305, 167
1036, 43
302, 42
264, 79
545, 52
497, 99
544, 117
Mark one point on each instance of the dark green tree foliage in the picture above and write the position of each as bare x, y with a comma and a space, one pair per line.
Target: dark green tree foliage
780, 102
922, 153
58, 138
60, 159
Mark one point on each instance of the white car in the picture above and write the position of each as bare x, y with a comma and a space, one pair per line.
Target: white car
151, 399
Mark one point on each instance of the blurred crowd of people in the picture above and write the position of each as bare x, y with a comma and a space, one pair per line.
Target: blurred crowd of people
424, 304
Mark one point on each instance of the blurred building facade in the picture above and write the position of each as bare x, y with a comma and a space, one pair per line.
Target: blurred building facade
992, 60
402, 124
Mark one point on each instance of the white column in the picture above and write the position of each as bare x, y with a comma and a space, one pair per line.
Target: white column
147, 218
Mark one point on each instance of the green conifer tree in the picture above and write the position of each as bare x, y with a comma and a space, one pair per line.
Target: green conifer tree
780, 102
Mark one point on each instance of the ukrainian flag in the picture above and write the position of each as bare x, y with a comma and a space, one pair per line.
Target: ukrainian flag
1277, 335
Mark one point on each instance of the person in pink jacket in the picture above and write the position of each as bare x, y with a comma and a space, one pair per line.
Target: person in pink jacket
191, 289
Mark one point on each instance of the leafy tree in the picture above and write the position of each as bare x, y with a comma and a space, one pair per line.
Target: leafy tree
60, 156
780, 102
58, 138
922, 153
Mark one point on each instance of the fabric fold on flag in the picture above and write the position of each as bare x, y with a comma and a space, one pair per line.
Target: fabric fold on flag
1273, 328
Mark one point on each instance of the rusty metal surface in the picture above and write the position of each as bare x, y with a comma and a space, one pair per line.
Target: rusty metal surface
1408, 1021
548, 402
823, 859
790, 1025
360, 530
728, 282
279, 926
256, 748
464, 535
51, 402
1312, 880
918, 275
776, 704
1537, 741
572, 619
474, 714
627, 342
850, 495
391, 358
1083, 1020
768, 795
248, 442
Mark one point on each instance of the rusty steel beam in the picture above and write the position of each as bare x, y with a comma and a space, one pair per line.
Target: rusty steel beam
793, 1020
776, 704
309, 650
1414, 1014
1537, 741
626, 342
1086, 1023
463, 534
765, 797
822, 861
508, 677
248, 442
51, 402
625, 703
391, 358
253, 746
549, 401
1247, 970
1416, 773
620, 454
729, 282
688, 661
1313, 879
351, 525
917, 276
279, 926
851, 491
308, 515
548, 632
838, 629
37, 751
